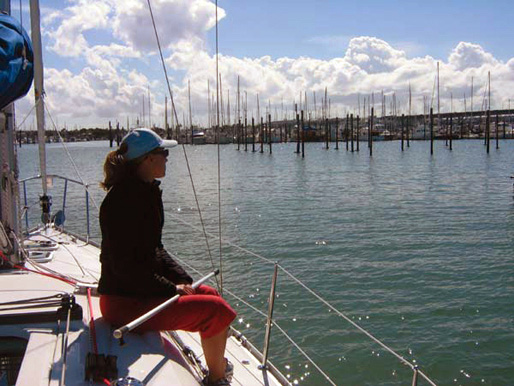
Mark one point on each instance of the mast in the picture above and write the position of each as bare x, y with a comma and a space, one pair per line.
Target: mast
149, 110
144, 117
438, 101
166, 128
38, 88
471, 104
208, 105
228, 107
238, 119
9, 195
190, 113
220, 86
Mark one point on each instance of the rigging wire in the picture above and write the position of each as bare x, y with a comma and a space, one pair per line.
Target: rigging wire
275, 324
83, 269
21, 268
218, 149
318, 297
162, 61
86, 186
201, 218
183, 147
219, 201
51, 273
28, 114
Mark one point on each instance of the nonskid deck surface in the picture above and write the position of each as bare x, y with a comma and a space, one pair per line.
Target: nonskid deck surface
153, 357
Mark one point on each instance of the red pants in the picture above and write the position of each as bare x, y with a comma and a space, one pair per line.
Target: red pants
205, 312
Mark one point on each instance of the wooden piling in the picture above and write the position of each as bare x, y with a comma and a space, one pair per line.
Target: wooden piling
337, 133
371, 132
358, 132
238, 134
269, 133
297, 133
303, 139
347, 130
253, 134
261, 135
110, 135
497, 130
446, 130
246, 134
351, 130
118, 134
407, 123
451, 132
403, 129
487, 128
431, 130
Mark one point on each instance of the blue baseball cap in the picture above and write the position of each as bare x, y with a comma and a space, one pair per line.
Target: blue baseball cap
142, 141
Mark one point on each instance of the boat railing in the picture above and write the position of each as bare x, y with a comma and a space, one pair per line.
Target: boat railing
417, 373
87, 198
263, 355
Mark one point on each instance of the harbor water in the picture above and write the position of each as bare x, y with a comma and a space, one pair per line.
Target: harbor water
416, 249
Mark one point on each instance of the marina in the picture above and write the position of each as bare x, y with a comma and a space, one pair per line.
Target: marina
355, 210
416, 249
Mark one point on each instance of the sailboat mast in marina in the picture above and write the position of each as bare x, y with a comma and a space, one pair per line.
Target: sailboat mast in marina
51, 328
50, 318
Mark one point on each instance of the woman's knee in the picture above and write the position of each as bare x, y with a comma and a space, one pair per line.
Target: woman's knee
206, 290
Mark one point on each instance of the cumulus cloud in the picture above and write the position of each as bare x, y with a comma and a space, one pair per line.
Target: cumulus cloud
468, 55
116, 50
374, 55
68, 39
191, 19
108, 87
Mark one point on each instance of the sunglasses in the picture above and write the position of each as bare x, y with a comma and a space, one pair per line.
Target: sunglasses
160, 151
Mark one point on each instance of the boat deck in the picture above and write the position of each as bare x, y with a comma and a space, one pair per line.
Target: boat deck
154, 358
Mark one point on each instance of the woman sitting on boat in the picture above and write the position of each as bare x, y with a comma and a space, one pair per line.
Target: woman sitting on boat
137, 272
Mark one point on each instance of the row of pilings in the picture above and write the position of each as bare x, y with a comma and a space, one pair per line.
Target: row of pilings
351, 131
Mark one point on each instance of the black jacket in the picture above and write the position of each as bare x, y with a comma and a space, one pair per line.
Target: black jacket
134, 262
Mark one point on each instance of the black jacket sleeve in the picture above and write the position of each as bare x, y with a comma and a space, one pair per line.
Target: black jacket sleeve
172, 270
129, 263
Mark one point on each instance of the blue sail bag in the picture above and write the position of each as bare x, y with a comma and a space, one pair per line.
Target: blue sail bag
16, 60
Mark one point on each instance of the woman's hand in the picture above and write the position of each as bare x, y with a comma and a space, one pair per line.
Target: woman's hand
185, 289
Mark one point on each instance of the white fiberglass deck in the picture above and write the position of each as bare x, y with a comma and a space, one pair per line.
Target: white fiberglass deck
153, 358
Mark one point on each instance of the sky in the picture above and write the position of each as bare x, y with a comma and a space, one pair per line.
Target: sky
102, 63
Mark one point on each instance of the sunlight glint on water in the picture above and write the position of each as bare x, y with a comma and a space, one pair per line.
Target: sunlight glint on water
416, 249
